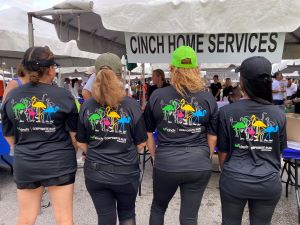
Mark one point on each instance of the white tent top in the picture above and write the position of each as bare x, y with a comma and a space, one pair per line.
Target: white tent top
189, 16
14, 40
99, 25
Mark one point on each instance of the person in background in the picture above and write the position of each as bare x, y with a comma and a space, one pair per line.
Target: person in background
16, 82
216, 87
185, 118
227, 88
87, 88
251, 137
74, 88
235, 95
108, 59
158, 80
40, 122
67, 84
278, 89
80, 87
128, 89
112, 167
291, 88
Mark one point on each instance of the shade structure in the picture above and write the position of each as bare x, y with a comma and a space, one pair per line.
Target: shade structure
99, 25
14, 41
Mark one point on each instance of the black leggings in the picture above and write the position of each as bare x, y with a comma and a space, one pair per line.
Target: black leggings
260, 211
108, 198
165, 184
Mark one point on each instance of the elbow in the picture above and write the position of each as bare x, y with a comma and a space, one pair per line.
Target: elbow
86, 94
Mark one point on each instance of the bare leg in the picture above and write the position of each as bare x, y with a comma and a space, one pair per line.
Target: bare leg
29, 205
62, 203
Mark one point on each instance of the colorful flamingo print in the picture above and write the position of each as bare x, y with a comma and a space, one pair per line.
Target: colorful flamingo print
123, 121
50, 111
269, 130
238, 126
187, 108
198, 114
39, 106
168, 109
95, 118
179, 116
113, 115
18, 108
106, 123
31, 114
251, 132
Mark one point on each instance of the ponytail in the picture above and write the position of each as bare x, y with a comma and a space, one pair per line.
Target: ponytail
107, 89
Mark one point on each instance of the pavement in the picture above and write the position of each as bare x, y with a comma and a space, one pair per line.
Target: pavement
85, 214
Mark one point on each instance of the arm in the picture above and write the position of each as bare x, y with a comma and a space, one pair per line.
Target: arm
86, 94
151, 144
222, 157
11, 141
82, 146
212, 142
10, 86
140, 147
74, 142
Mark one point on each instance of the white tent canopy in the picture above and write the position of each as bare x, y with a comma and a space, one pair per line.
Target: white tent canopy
99, 25
14, 41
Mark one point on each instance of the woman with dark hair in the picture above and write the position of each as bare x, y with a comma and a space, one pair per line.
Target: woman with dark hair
159, 81
185, 117
251, 136
39, 123
111, 129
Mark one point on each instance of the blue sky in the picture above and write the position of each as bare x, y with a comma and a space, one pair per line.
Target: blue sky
28, 5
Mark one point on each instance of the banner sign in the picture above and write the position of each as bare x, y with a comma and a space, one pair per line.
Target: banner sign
211, 48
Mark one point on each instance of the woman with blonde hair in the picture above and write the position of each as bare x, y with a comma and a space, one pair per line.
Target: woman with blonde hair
185, 118
39, 123
111, 129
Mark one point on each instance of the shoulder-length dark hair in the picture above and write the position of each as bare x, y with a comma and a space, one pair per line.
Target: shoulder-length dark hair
258, 89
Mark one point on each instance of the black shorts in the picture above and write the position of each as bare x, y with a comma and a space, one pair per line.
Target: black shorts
56, 181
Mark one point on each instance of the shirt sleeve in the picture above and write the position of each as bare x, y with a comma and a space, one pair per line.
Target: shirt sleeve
89, 84
81, 135
149, 118
223, 136
219, 86
283, 137
72, 117
213, 119
7, 125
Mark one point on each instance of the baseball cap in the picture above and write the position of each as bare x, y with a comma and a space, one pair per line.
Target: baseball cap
254, 67
110, 60
181, 53
90, 70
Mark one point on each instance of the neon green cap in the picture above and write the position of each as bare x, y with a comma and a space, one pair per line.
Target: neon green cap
184, 52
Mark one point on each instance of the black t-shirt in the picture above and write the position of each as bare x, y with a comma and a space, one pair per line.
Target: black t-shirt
40, 118
182, 124
227, 90
215, 87
152, 88
253, 135
112, 135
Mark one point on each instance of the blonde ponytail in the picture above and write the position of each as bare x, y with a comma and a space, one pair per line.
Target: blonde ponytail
108, 89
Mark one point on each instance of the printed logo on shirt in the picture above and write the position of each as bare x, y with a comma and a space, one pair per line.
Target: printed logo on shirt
254, 129
106, 119
183, 112
34, 110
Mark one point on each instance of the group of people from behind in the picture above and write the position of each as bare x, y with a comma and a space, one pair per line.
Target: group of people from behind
42, 124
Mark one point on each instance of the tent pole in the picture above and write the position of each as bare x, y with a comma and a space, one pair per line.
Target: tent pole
12, 72
30, 31
144, 85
